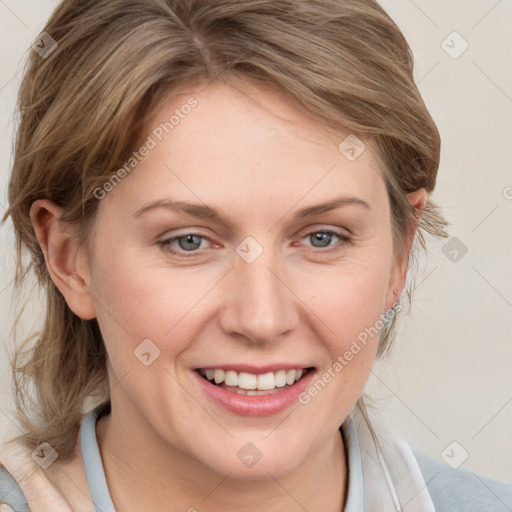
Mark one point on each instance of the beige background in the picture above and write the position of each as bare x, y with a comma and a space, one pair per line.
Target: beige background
449, 378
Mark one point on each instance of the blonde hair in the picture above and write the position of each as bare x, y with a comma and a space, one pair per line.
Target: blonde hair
82, 109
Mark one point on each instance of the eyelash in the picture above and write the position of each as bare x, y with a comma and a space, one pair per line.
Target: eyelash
166, 244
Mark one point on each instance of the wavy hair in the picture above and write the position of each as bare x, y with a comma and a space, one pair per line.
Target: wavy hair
81, 110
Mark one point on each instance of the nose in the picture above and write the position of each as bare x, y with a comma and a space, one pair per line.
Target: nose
261, 305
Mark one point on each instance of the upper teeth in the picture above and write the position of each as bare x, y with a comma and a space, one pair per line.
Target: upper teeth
244, 380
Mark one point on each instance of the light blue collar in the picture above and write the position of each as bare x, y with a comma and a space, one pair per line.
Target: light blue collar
92, 460
98, 483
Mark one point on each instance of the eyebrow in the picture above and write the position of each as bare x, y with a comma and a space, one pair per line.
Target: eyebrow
201, 211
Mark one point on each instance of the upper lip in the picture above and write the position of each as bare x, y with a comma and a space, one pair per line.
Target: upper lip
256, 370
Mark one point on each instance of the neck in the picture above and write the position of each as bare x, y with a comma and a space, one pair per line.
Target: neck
144, 472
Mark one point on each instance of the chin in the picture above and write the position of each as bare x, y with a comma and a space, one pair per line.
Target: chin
247, 461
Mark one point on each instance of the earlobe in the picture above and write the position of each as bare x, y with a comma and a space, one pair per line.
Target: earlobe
63, 257
417, 200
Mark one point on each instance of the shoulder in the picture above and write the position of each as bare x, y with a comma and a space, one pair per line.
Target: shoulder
11, 493
459, 490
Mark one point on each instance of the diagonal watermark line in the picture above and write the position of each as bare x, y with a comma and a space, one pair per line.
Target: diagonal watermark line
6, 286
424, 13
170, 170
10, 79
492, 81
481, 481
426, 277
111, 388
70, 479
379, 172
486, 14
372, 167
14, 14
286, 417
478, 432
485, 218
495, 289
301, 300
398, 398
194, 305
198, 402
96, 301
301, 198
216, 487
427, 73
416, 494
12, 421
32, 470
287, 492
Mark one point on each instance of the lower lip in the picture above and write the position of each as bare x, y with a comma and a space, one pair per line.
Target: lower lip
255, 405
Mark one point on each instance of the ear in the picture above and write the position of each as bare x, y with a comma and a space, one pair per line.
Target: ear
65, 260
417, 199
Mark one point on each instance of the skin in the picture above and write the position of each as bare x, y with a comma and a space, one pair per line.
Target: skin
257, 162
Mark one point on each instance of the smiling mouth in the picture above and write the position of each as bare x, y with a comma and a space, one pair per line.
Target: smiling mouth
244, 383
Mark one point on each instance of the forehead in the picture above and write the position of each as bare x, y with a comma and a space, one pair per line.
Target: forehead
248, 145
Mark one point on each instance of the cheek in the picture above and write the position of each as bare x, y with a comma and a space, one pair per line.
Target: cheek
350, 305
352, 297
138, 299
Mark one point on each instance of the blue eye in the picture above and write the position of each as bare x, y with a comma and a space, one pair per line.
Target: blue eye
191, 242
324, 238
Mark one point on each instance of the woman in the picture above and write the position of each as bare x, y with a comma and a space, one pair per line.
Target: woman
220, 200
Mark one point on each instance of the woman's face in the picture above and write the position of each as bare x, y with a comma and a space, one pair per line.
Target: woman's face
242, 268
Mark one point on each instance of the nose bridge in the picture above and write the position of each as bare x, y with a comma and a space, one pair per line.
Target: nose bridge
261, 307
